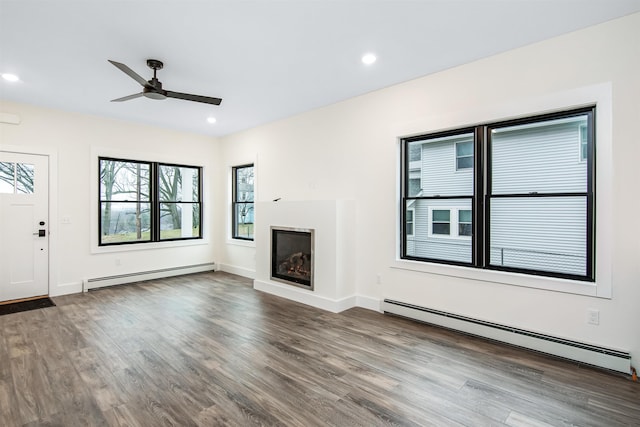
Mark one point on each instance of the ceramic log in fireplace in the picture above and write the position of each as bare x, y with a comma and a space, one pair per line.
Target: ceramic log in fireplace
292, 256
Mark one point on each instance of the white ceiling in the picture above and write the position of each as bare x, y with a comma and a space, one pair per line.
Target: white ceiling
267, 59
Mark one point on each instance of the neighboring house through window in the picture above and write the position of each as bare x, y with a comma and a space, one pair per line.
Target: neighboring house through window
144, 201
242, 209
528, 207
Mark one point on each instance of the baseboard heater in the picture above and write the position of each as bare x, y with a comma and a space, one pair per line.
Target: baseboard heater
586, 353
100, 282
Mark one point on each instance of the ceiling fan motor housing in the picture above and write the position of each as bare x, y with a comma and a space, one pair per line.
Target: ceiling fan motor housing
155, 64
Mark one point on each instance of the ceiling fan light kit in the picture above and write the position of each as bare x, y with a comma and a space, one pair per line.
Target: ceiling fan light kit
153, 88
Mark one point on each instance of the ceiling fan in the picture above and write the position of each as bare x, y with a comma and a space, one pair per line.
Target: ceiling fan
153, 88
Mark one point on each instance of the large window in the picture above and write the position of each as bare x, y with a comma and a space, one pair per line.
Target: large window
242, 202
508, 196
148, 202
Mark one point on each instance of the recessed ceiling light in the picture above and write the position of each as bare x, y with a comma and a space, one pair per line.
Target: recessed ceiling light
369, 59
10, 77
211, 120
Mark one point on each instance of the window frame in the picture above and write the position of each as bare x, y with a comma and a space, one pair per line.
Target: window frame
480, 200
154, 202
234, 201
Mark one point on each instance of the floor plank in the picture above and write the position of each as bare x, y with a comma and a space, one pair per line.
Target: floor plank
208, 350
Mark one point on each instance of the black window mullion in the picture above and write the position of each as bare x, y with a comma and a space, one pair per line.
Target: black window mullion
155, 203
477, 203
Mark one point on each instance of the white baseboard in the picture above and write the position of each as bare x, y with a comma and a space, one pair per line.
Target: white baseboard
369, 303
307, 297
240, 271
303, 296
617, 360
65, 289
99, 282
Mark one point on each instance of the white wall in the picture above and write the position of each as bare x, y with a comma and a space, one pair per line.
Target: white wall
74, 141
349, 151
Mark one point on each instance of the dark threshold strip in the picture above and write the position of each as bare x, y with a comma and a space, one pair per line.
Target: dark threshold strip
17, 307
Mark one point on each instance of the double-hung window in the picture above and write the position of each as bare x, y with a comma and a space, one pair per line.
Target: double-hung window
144, 201
510, 196
242, 202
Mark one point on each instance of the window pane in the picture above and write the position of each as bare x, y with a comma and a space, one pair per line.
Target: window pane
441, 228
178, 183
538, 157
7, 175
120, 181
439, 165
464, 229
424, 243
541, 233
464, 149
409, 216
464, 216
125, 222
464, 162
441, 215
414, 187
243, 227
244, 184
179, 220
415, 151
25, 174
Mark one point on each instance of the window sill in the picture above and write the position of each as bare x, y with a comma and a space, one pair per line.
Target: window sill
240, 242
147, 246
501, 277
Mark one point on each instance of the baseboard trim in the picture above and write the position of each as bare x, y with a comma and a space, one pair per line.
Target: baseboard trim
617, 360
369, 303
66, 289
240, 271
100, 282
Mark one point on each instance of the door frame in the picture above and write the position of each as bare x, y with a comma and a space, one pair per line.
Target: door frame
52, 209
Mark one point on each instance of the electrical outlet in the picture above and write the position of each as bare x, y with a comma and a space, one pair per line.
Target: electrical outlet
593, 316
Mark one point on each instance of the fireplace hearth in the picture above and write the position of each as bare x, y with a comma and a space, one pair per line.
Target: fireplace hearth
292, 256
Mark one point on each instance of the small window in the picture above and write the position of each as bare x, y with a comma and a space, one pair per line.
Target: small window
584, 140
242, 202
415, 152
464, 223
464, 155
441, 222
409, 221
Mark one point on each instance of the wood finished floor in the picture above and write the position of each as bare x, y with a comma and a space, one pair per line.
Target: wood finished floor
208, 350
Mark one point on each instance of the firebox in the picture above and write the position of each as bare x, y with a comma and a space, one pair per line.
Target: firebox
292, 256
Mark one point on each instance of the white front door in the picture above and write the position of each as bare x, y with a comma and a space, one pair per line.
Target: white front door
24, 225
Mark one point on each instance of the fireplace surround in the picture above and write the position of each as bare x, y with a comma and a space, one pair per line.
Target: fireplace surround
292, 256
333, 225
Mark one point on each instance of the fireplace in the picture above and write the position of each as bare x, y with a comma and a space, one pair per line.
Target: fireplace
292, 256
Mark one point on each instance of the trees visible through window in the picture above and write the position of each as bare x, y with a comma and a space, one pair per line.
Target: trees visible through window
242, 202
16, 178
146, 201
528, 207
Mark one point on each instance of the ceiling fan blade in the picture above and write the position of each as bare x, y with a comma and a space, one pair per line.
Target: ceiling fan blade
196, 98
128, 71
126, 98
